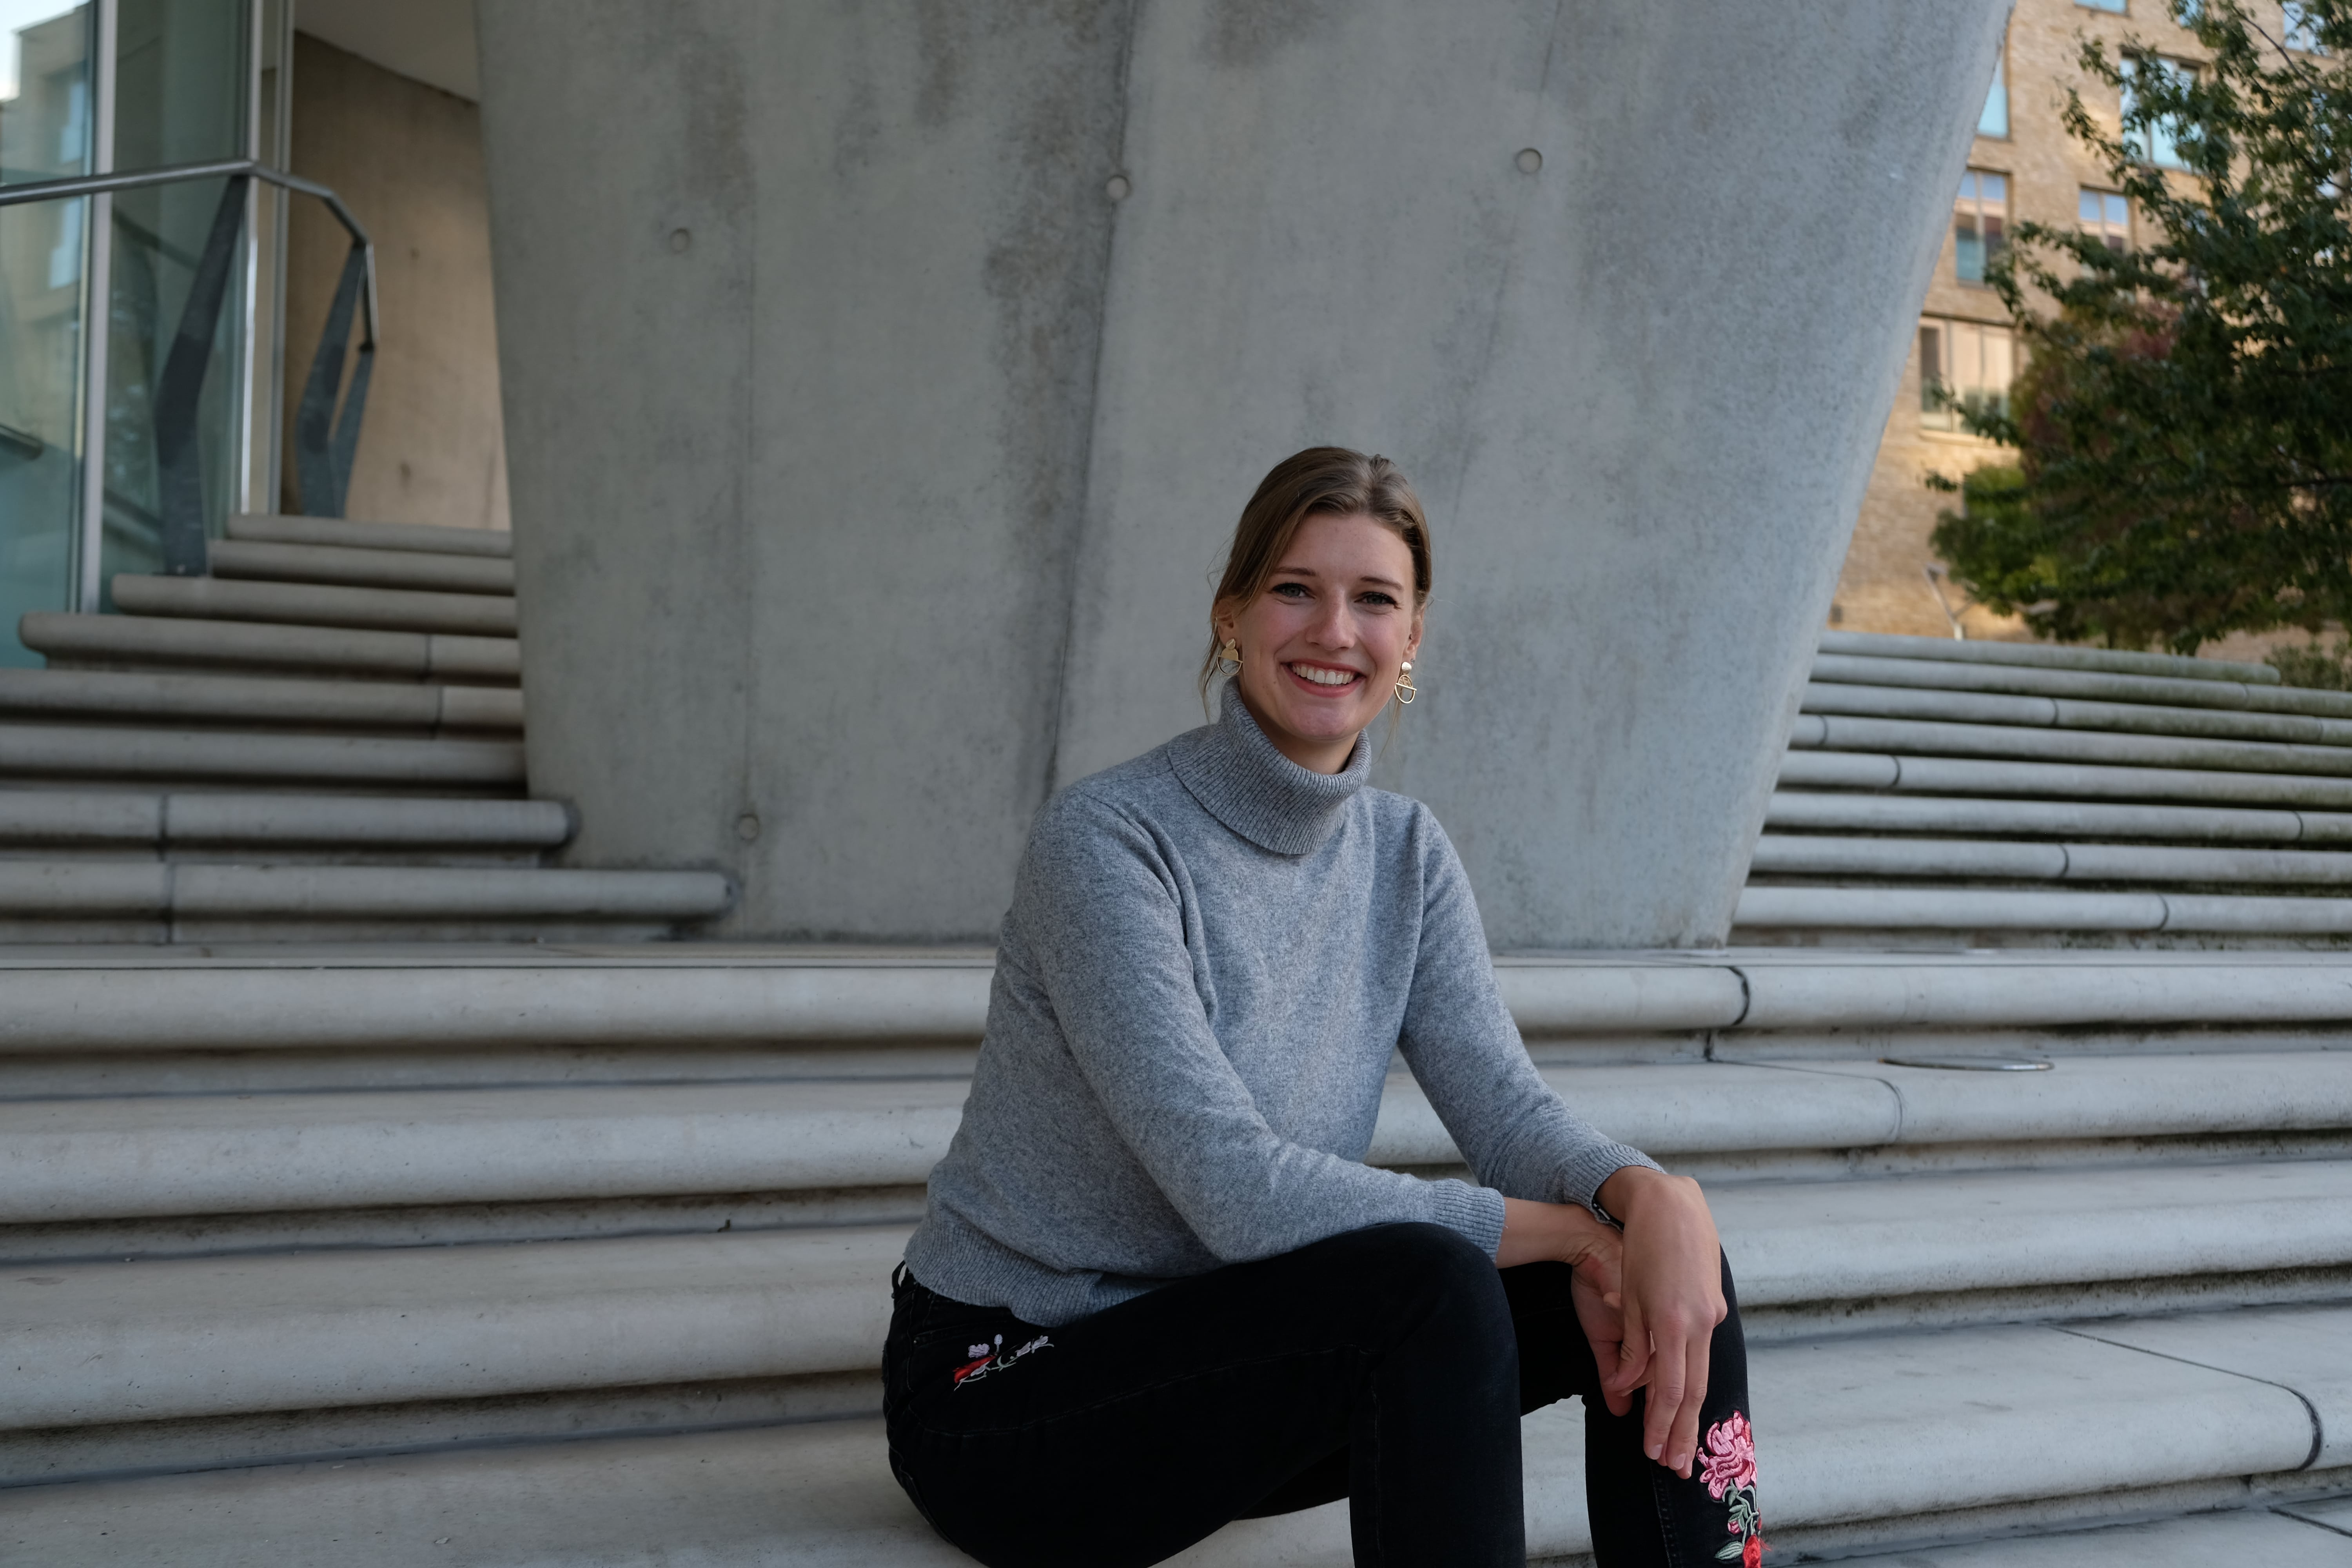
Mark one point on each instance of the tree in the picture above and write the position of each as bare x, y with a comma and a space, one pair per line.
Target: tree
2183, 426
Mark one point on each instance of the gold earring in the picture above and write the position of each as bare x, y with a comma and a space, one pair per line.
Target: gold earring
1230, 655
1405, 689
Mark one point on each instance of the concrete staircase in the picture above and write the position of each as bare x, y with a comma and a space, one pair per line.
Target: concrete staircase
1981, 792
453, 1252
321, 741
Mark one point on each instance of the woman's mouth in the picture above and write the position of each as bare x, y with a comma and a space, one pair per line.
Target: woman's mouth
1324, 679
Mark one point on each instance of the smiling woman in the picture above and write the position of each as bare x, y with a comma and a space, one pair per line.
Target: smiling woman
1156, 1287
1321, 608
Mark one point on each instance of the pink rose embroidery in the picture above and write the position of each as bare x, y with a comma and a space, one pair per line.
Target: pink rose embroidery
1728, 1468
1730, 1463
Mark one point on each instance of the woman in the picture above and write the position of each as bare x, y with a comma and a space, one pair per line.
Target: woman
1155, 1287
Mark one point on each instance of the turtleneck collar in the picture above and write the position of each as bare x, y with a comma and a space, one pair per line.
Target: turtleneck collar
1240, 779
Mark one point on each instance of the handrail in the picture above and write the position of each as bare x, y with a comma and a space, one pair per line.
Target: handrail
214, 169
324, 439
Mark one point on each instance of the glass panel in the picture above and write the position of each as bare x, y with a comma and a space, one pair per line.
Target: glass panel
1994, 121
1968, 250
2159, 141
2301, 32
1995, 189
2086, 208
2115, 6
1932, 414
45, 135
180, 90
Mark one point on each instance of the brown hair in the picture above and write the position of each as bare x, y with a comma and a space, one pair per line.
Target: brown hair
1321, 481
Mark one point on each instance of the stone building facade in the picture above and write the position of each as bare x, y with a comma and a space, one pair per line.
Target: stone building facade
2022, 167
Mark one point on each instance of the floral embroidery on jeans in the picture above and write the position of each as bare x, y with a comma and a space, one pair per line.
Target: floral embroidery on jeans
994, 1357
1728, 1468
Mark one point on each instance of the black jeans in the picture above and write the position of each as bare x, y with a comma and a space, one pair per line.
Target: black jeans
1389, 1366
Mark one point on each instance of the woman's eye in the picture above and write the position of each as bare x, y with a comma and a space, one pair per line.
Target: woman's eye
1377, 597
1290, 590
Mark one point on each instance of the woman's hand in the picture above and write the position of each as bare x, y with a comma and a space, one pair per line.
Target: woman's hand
1673, 1302
1566, 1233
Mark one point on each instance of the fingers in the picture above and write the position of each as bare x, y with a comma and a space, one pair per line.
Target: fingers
1682, 1443
1678, 1376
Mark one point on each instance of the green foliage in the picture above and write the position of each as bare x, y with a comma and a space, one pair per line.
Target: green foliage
2325, 666
2184, 424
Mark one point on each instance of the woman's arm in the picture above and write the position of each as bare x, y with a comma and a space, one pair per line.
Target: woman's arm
1465, 1050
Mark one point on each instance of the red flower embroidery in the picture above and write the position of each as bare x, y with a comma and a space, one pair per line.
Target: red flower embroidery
1728, 1468
1730, 1463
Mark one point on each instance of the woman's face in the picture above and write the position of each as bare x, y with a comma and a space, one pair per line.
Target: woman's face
1323, 645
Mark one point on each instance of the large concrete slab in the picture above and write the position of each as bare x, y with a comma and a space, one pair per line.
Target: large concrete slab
882, 383
2302, 1348
1870, 1429
2246, 1536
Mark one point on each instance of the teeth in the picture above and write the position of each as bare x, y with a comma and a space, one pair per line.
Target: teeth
1324, 676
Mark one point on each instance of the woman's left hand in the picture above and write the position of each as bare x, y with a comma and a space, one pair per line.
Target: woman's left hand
1673, 1300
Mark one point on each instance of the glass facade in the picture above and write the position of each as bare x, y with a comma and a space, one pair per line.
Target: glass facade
96, 289
46, 133
180, 97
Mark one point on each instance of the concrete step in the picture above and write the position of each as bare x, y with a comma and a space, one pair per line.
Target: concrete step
134, 1154
1942, 674
1942, 776
2316, 1535
208, 823
305, 604
1861, 1442
182, 892
2047, 656
123, 697
75, 752
479, 998
173, 646
1869, 908
1856, 701
1995, 859
1909, 737
428, 538
105, 1342
354, 566
1800, 811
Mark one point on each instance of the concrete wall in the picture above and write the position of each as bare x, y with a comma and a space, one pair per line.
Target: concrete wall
873, 445
407, 158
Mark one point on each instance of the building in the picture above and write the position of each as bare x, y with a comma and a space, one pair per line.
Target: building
428, 1136
2022, 167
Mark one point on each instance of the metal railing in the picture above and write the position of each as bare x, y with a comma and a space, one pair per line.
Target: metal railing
325, 438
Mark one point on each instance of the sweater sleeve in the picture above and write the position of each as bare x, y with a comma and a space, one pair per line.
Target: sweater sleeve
1517, 1136
1110, 946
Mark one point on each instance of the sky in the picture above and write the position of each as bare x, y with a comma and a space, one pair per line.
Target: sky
15, 13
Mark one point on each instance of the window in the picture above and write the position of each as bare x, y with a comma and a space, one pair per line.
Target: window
2301, 30
1979, 222
2115, 6
1972, 360
2159, 141
1994, 121
2105, 214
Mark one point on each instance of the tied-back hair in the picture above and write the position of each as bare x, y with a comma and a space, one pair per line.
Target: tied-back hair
1321, 481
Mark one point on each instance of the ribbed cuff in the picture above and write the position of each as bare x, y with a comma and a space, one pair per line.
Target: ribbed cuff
1475, 1212
1581, 1183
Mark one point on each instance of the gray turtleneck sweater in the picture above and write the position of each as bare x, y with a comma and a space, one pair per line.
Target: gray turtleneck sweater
1211, 955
